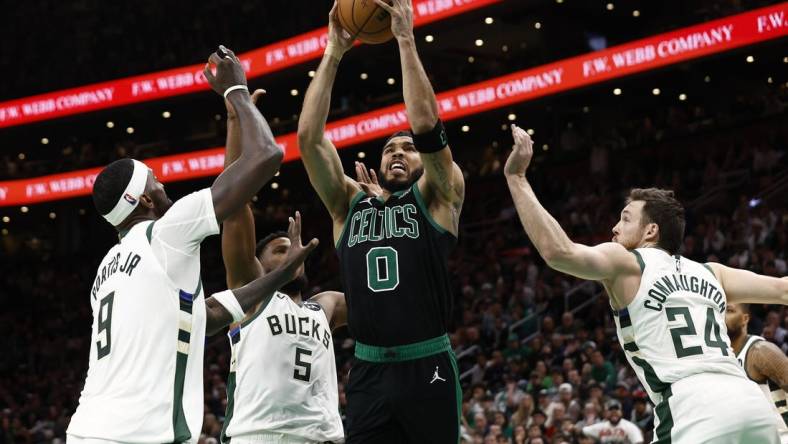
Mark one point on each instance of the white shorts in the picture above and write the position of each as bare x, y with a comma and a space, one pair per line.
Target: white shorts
269, 438
713, 408
71, 439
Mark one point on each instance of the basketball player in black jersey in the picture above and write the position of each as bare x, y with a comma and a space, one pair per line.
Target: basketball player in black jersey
393, 250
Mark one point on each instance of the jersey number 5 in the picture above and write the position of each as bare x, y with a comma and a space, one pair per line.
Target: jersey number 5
712, 328
104, 325
299, 362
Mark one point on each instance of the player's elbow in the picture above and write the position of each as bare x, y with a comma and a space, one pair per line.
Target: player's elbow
556, 255
308, 135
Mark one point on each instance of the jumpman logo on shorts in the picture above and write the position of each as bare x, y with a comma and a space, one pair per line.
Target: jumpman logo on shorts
436, 376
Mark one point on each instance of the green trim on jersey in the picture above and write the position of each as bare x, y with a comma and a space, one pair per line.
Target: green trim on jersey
179, 425
458, 391
223, 438
423, 206
401, 353
258, 312
353, 203
710, 270
149, 231
652, 379
640, 260
662, 410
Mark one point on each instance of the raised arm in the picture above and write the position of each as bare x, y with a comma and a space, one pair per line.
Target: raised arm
256, 291
335, 306
238, 235
766, 361
599, 263
442, 177
743, 286
260, 155
319, 155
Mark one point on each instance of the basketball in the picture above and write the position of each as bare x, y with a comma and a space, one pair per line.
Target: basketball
365, 20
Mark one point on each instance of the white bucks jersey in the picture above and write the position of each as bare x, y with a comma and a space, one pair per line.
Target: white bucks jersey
283, 376
146, 354
770, 389
675, 325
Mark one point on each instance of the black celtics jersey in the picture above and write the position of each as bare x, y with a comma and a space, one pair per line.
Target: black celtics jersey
393, 258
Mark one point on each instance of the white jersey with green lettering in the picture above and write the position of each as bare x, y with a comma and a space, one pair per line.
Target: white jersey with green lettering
675, 325
774, 394
283, 376
144, 381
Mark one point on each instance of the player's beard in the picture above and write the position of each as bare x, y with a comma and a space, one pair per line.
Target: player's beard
734, 333
296, 286
393, 187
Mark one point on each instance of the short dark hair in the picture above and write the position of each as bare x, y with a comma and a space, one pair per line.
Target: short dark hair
662, 208
407, 133
110, 184
266, 240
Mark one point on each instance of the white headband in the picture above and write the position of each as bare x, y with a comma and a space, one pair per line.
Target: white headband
131, 195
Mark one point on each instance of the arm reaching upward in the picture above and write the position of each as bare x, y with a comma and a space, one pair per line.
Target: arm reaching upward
335, 306
442, 177
263, 287
319, 155
602, 262
260, 155
238, 235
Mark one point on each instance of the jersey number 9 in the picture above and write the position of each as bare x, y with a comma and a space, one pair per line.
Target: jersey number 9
104, 325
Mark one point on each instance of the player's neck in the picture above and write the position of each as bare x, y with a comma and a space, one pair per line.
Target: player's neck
738, 343
295, 296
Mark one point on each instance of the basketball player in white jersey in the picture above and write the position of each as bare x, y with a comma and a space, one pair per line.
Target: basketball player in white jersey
150, 317
669, 311
762, 361
282, 386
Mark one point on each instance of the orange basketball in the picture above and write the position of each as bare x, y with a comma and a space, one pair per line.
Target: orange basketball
365, 20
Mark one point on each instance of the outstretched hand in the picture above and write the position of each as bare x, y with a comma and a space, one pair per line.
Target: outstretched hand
522, 152
338, 37
368, 180
229, 71
297, 253
401, 12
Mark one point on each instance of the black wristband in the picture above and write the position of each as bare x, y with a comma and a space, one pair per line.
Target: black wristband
433, 140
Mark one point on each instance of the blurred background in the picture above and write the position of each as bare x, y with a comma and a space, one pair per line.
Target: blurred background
538, 353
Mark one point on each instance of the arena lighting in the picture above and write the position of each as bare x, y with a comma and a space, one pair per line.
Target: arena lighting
586, 109
189, 79
635, 13
52, 215
617, 92
609, 6
6, 219
504, 127
293, 92
390, 80
682, 97
361, 154
471, 59
130, 130
44, 141
166, 114
364, 76
511, 117
82, 212
276, 174
479, 42
504, 48
707, 79
496, 93
465, 128
5, 232
538, 25
559, 1
530, 131
489, 20
24, 209
785, 59
429, 38
110, 124
274, 185
311, 73
750, 59
769, 80
21, 156
655, 91
545, 147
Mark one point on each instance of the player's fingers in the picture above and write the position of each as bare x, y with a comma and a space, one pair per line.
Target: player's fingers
333, 12
229, 52
257, 94
386, 7
290, 227
359, 173
374, 176
298, 224
311, 245
215, 58
208, 73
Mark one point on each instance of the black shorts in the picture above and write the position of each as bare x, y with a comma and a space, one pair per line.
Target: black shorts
414, 401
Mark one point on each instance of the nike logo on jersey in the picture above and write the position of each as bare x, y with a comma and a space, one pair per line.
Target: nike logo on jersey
436, 376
